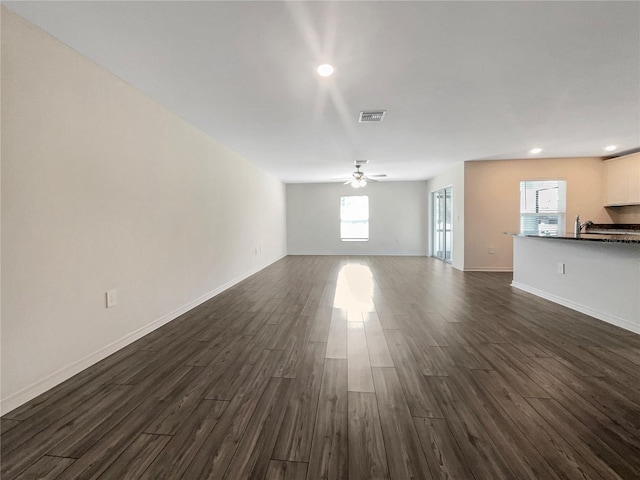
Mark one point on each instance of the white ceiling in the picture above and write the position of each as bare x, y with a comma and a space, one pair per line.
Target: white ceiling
459, 80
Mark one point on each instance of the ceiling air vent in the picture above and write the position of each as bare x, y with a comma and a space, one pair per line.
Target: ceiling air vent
372, 116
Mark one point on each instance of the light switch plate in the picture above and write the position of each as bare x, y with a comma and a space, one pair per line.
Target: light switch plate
111, 297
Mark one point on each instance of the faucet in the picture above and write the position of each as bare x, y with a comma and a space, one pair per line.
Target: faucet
579, 226
586, 224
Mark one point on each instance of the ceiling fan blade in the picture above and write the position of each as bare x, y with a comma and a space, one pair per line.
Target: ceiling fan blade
369, 179
347, 182
378, 175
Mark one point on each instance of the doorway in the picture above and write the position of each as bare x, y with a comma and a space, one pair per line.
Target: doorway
442, 233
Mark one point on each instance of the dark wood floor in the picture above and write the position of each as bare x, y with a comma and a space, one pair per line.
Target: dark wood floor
349, 367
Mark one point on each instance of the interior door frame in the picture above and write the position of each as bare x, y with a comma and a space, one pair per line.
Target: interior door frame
433, 227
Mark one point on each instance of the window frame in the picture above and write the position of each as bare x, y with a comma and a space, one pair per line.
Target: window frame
345, 221
537, 213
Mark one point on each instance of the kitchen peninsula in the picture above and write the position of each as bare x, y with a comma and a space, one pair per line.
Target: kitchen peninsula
596, 274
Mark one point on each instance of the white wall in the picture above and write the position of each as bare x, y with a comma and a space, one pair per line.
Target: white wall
103, 188
397, 223
454, 177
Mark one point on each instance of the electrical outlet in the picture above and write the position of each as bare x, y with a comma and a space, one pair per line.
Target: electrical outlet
561, 268
111, 297
492, 250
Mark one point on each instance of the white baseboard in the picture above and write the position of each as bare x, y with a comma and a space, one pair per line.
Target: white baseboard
343, 254
31, 391
605, 317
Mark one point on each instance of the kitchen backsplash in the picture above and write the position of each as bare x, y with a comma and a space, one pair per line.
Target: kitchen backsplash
628, 214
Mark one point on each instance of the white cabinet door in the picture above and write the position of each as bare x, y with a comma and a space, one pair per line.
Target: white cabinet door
622, 180
633, 192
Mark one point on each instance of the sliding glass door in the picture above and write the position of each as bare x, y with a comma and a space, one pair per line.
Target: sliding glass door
441, 228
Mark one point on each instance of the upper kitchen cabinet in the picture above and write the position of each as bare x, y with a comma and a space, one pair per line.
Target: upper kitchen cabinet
622, 180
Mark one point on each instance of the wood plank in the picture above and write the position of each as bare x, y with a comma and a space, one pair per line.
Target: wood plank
174, 459
367, 456
513, 443
254, 451
329, 448
445, 459
18, 453
629, 353
293, 353
359, 377
96, 457
611, 432
173, 416
321, 324
105, 418
559, 453
216, 453
337, 340
385, 315
465, 356
405, 456
135, 459
481, 454
296, 432
51, 421
379, 355
523, 384
621, 412
204, 356
430, 360
584, 440
7, 424
280, 470
419, 398
47, 468
225, 387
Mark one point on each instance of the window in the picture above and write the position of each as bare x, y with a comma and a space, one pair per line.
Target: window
543, 207
354, 218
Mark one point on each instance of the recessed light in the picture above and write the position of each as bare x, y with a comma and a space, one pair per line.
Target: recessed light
325, 70
610, 148
535, 150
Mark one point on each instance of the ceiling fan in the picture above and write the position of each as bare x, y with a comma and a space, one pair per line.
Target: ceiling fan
359, 178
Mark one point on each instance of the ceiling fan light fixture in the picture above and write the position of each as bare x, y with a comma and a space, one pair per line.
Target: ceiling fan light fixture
325, 70
358, 182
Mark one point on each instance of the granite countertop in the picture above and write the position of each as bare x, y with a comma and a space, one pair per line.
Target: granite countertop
589, 237
613, 228
599, 232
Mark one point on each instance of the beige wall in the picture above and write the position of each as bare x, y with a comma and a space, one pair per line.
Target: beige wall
104, 188
492, 202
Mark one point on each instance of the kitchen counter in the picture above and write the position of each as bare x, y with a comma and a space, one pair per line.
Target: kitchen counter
623, 237
596, 274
